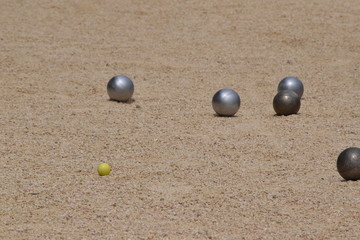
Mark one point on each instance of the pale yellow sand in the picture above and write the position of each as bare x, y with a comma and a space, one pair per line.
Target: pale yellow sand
178, 172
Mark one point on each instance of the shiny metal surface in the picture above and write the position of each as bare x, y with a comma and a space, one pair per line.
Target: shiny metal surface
291, 83
286, 102
348, 164
120, 88
226, 102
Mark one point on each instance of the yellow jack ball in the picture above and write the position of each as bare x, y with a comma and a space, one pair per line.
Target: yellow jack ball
103, 169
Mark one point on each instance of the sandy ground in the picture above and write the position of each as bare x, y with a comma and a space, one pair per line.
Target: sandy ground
178, 171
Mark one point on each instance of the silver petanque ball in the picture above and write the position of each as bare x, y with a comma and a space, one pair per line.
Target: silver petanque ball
286, 102
120, 88
226, 102
348, 164
291, 83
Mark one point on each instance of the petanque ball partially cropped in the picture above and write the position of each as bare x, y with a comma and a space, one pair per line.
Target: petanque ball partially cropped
293, 84
348, 164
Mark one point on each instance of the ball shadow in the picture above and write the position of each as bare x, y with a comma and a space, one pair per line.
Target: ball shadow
130, 101
281, 115
222, 116
350, 180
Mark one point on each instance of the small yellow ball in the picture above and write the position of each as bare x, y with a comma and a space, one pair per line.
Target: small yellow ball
103, 169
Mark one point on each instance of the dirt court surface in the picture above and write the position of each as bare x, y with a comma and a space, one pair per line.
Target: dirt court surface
178, 171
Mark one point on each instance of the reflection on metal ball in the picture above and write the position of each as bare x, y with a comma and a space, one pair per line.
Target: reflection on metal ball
293, 84
348, 164
226, 102
120, 88
286, 102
